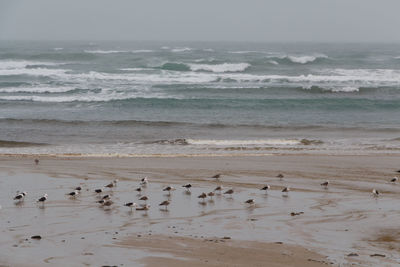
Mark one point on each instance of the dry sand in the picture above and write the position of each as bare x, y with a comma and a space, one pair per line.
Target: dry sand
337, 221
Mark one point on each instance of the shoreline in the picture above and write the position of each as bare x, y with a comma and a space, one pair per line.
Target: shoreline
337, 221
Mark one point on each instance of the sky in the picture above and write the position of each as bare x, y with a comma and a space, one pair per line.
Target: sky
202, 20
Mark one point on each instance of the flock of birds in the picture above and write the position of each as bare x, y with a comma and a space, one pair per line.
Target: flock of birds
106, 201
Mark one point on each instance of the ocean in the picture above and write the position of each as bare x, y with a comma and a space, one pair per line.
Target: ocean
198, 98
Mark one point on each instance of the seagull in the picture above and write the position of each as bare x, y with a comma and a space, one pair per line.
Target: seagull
250, 201
266, 188
165, 203
73, 194
98, 191
145, 207
130, 205
169, 189
394, 179
286, 190
144, 198
20, 196
325, 184
42, 199
218, 188
202, 196
187, 186
110, 185
37, 161
375, 192
139, 190
217, 176
144, 181
108, 203
229, 192
211, 194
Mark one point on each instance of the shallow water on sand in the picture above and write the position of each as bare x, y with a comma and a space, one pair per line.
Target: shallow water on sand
76, 231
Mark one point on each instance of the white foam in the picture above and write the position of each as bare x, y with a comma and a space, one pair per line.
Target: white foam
20, 64
243, 52
243, 142
32, 72
58, 48
105, 51
37, 89
273, 62
225, 67
142, 51
305, 59
88, 97
181, 49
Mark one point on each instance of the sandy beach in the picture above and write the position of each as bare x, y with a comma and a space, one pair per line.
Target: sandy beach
341, 225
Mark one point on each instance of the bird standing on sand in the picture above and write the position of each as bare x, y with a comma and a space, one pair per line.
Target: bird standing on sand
325, 184
375, 193
107, 203
139, 190
144, 207
286, 190
165, 203
217, 176
218, 188
187, 186
144, 181
144, 198
73, 194
37, 161
394, 179
169, 189
78, 188
98, 191
42, 199
250, 202
20, 196
211, 194
202, 196
266, 188
130, 205
229, 192
280, 176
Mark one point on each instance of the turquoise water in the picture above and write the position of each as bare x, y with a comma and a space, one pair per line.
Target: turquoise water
154, 97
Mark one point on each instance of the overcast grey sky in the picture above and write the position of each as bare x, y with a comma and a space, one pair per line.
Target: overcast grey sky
208, 20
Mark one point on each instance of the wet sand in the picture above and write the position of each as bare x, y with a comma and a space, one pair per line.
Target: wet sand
335, 222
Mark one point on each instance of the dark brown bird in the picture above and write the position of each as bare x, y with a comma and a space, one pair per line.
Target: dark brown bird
218, 188
325, 184
229, 192
202, 196
217, 176
266, 188
165, 203
169, 189
130, 205
187, 186
145, 207
144, 198
394, 179
211, 194
37, 161
280, 176
78, 188
250, 201
286, 189
20, 196
98, 191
